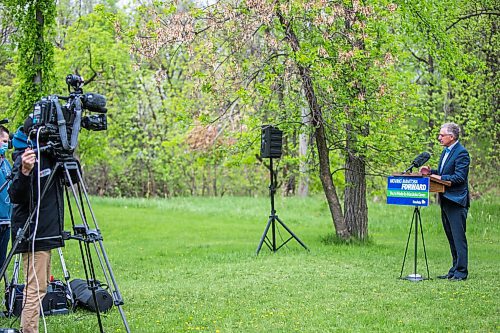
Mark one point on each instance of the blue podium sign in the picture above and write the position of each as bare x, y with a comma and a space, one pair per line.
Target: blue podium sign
408, 191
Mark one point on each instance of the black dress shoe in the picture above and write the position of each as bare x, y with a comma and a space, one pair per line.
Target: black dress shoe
457, 278
446, 276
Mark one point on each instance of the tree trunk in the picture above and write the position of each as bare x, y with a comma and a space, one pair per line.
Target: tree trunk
355, 207
328, 185
288, 187
430, 94
37, 59
303, 190
317, 121
214, 180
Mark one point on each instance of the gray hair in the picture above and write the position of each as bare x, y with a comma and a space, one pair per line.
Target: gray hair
452, 129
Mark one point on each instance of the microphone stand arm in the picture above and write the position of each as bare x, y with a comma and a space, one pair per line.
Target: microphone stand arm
410, 169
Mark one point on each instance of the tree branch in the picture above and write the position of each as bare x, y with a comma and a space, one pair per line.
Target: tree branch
468, 16
418, 58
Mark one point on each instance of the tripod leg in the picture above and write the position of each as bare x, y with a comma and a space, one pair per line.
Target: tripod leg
406, 248
415, 215
84, 250
12, 287
118, 300
423, 244
91, 282
264, 235
273, 233
103, 257
66, 274
291, 233
93, 236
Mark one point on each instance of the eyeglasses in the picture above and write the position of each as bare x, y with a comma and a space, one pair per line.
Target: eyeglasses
442, 135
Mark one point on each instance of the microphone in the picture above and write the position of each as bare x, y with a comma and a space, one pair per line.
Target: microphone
4, 121
94, 102
419, 161
11, 137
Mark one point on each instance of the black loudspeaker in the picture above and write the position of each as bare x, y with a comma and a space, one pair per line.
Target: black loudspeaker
271, 142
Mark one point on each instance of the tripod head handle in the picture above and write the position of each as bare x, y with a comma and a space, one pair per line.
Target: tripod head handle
7, 180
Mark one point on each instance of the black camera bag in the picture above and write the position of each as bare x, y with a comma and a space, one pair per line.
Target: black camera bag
83, 296
54, 302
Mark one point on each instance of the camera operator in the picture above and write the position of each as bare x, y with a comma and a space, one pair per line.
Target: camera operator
30, 176
5, 206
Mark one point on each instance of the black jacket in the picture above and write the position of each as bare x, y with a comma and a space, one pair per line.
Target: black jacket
24, 195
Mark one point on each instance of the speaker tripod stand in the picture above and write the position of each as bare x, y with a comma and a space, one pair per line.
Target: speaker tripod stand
418, 222
273, 218
68, 171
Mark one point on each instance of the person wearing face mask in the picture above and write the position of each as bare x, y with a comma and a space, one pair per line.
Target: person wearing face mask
5, 206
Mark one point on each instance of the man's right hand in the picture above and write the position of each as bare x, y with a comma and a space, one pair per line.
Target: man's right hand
425, 170
28, 161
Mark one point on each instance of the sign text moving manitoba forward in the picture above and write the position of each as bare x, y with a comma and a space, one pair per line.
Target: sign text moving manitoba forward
409, 191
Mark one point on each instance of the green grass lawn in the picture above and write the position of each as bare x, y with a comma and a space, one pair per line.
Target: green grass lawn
189, 264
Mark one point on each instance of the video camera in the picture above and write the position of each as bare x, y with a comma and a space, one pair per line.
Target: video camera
59, 125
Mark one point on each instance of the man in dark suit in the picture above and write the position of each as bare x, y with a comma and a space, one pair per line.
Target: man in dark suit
454, 167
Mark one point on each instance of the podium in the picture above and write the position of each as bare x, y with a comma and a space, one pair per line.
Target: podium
435, 186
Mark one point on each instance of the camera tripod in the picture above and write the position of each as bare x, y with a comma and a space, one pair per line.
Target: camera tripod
418, 221
87, 237
271, 223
